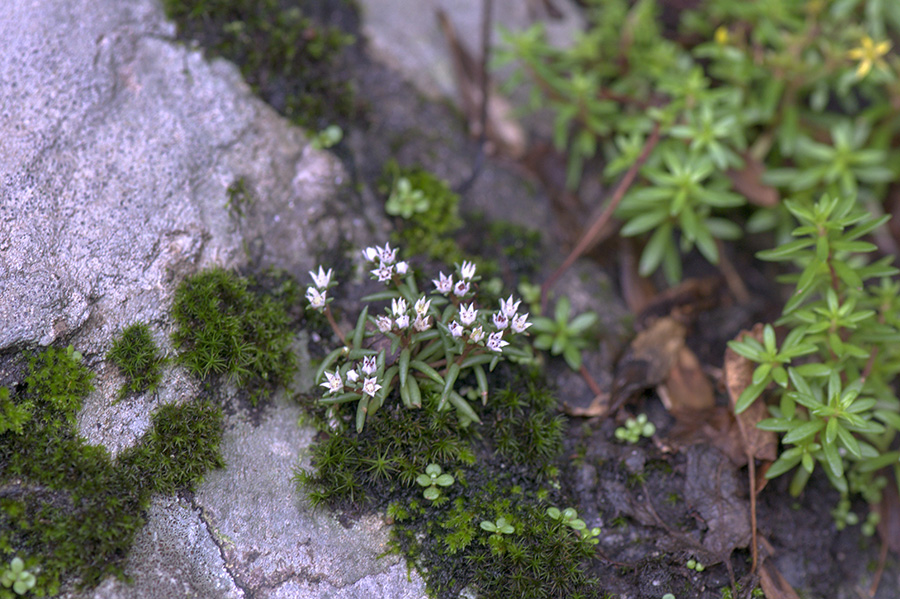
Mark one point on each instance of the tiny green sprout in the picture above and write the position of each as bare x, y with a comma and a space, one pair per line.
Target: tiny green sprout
405, 201
558, 335
432, 479
17, 577
869, 527
693, 564
668, 596
500, 527
635, 428
328, 137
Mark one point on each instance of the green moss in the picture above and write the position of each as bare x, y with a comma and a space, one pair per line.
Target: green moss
516, 453
428, 231
136, 355
67, 508
226, 328
285, 56
193, 429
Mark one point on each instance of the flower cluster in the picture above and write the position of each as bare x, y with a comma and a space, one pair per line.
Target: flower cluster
361, 378
433, 341
385, 260
317, 293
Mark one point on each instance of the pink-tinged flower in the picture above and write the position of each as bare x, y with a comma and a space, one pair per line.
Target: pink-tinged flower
322, 278
500, 321
422, 306
370, 254
508, 307
398, 306
370, 386
369, 365
444, 284
384, 272
352, 376
461, 288
316, 298
402, 268
402, 321
467, 314
495, 342
386, 254
384, 324
476, 335
519, 323
455, 329
467, 270
422, 323
334, 384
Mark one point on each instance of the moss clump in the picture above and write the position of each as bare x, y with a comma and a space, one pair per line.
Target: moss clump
541, 558
225, 328
289, 60
397, 444
69, 510
429, 229
136, 355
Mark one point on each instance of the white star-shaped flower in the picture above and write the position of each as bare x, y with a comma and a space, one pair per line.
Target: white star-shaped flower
371, 386
508, 307
495, 342
369, 365
467, 314
384, 272
384, 324
322, 278
402, 321
352, 376
455, 329
461, 288
334, 384
422, 306
467, 270
519, 323
476, 335
316, 298
402, 268
386, 254
444, 284
370, 254
398, 306
500, 320
422, 323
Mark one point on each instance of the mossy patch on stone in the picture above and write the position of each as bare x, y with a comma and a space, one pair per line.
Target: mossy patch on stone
225, 327
505, 468
289, 59
68, 509
136, 355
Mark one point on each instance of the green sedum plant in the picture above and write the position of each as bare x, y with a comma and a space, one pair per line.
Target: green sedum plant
561, 336
735, 104
635, 428
432, 480
835, 369
15, 576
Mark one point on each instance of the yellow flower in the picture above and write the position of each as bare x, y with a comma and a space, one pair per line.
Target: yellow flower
721, 35
869, 53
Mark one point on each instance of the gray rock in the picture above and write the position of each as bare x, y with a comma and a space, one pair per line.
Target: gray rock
117, 148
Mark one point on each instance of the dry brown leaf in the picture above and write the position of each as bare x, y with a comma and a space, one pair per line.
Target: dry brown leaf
773, 583
649, 358
686, 391
748, 182
599, 406
759, 444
